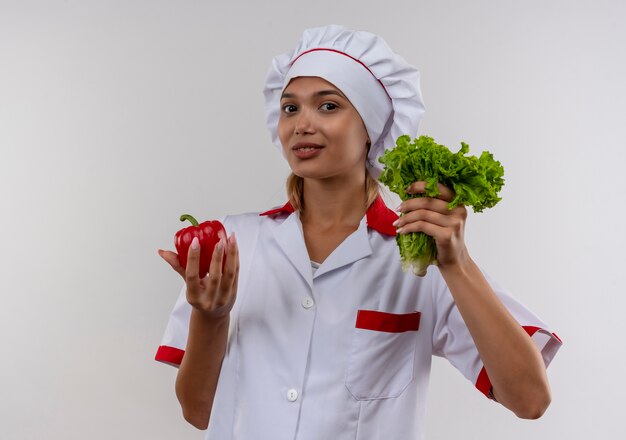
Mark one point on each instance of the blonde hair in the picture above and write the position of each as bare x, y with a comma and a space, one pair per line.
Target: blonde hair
295, 191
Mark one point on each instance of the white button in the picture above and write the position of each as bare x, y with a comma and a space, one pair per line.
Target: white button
307, 302
292, 395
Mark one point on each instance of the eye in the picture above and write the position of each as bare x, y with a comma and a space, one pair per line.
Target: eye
289, 108
328, 106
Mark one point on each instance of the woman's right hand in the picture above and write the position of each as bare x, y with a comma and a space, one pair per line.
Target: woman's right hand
215, 294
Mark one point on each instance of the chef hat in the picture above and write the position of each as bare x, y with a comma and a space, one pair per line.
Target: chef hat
381, 85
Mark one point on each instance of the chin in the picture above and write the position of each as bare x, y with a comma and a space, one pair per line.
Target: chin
320, 171
310, 174
307, 170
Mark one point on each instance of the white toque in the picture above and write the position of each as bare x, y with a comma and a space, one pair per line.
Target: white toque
379, 83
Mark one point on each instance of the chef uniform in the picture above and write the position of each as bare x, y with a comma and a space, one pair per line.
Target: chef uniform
342, 349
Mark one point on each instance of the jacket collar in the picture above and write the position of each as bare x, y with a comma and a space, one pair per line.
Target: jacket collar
379, 217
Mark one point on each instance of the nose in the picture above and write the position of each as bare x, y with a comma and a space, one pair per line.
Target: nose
304, 122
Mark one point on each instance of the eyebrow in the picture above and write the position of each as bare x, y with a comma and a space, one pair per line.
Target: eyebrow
320, 93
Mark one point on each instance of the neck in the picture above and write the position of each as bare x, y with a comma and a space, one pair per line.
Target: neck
334, 202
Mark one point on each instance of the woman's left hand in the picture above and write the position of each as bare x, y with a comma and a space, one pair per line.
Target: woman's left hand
432, 216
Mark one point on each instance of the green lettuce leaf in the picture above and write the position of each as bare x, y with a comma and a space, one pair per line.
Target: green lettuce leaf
475, 180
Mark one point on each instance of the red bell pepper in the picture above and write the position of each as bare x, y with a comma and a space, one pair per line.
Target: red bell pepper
209, 234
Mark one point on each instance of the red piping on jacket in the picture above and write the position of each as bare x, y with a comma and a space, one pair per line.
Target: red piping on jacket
379, 217
483, 383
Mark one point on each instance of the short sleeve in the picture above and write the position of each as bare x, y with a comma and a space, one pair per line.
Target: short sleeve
174, 340
452, 340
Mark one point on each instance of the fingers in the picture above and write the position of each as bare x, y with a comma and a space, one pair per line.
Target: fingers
442, 217
236, 260
230, 274
219, 288
423, 215
429, 203
445, 193
216, 293
435, 231
193, 266
215, 271
432, 211
236, 280
171, 258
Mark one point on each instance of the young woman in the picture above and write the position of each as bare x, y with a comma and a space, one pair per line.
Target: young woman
313, 331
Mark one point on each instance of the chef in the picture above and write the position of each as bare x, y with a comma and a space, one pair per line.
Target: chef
313, 330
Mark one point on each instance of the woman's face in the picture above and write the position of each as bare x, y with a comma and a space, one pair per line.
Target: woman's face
322, 134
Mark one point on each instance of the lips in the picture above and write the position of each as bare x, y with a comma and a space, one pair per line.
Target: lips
306, 150
306, 146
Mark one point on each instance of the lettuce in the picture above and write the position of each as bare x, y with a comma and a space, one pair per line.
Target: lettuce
475, 180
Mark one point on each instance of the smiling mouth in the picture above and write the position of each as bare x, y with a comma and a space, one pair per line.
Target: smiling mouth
306, 150
306, 146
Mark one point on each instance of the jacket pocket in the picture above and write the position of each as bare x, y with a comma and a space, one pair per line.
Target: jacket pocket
382, 355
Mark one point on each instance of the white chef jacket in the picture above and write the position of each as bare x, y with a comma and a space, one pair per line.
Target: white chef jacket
341, 354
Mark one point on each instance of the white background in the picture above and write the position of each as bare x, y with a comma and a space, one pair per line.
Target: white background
118, 116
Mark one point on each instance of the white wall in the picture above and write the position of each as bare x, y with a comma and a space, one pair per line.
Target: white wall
118, 116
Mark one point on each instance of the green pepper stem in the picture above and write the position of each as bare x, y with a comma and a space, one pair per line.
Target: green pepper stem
190, 218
